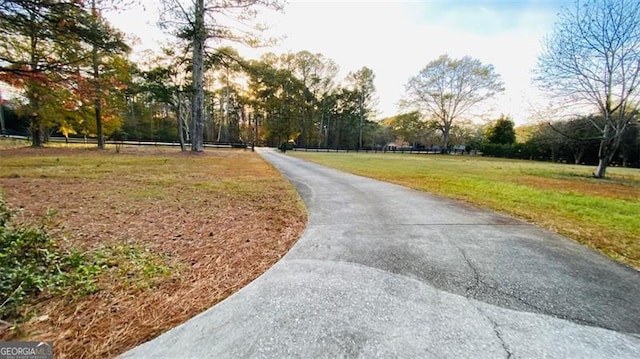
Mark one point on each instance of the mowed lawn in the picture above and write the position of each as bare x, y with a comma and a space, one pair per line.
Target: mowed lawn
602, 214
182, 232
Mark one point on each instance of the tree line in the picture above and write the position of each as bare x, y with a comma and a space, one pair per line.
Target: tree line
70, 74
76, 78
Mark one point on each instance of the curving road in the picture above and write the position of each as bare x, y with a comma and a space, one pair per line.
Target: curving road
387, 272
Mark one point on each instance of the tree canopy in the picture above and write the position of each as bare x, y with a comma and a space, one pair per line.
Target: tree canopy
501, 131
70, 65
47, 52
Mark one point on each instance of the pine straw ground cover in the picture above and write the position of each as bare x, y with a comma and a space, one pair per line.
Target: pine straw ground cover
176, 233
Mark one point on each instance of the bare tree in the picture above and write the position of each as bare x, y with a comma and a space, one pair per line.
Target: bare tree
447, 88
200, 22
593, 58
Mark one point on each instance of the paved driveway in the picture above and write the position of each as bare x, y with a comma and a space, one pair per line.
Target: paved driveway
387, 272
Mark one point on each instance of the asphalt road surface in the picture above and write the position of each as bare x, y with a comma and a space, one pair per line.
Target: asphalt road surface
383, 271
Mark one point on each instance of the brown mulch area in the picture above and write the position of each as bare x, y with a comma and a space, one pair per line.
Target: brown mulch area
221, 218
605, 188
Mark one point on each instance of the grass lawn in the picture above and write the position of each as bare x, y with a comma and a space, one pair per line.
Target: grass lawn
602, 214
212, 222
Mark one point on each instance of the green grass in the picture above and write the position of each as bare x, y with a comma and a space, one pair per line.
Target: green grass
603, 214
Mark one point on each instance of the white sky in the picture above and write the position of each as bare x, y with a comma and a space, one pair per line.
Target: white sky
396, 39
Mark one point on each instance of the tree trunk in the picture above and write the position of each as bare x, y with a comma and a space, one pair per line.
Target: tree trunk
602, 168
302, 139
577, 155
180, 127
96, 79
198, 75
36, 121
603, 152
337, 135
36, 130
2, 125
222, 117
445, 140
361, 120
98, 108
255, 133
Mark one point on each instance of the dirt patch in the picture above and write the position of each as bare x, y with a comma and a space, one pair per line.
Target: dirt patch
220, 218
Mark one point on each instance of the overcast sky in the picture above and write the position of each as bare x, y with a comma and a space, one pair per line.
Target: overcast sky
396, 39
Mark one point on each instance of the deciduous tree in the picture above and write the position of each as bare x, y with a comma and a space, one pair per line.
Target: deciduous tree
279, 97
361, 82
446, 89
592, 57
408, 127
104, 41
46, 51
38, 49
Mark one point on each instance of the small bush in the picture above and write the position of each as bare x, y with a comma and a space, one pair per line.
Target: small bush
32, 264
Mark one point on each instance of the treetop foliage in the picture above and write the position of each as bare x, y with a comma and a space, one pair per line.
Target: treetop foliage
223, 19
57, 30
57, 52
501, 131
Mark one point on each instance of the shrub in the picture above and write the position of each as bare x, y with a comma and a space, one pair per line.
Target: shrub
32, 264
516, 150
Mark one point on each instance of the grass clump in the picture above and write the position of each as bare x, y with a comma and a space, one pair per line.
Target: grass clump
131, 264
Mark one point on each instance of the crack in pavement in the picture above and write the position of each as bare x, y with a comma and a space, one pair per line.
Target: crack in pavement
498, 333
479, 284
546, 311
476, 274
475, 286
